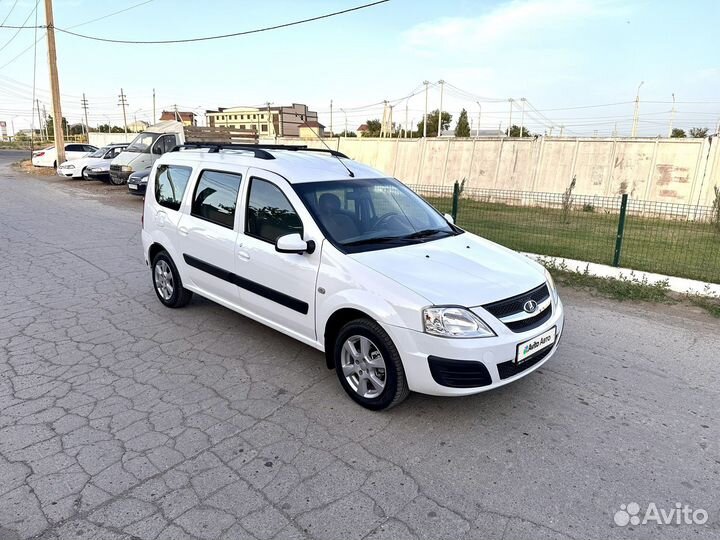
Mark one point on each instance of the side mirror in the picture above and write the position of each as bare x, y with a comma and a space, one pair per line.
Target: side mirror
157, 149
293, 243
449, 219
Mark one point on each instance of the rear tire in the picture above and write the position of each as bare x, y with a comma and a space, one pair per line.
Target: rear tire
369, 366
167, 283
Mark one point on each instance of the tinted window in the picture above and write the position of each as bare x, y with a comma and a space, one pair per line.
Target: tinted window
169, 143
269, 214
74, 148
216, 197
89, 148
170, 184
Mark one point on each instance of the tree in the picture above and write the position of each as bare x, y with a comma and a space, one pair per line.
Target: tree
50, 123
432, 122
346, 134
678, 133
515, 132
374, 127
463, 126
698, 133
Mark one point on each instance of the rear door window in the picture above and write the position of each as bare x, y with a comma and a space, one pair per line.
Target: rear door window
215, 198
170, 184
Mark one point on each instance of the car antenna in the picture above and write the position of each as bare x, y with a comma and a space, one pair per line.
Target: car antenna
352, 174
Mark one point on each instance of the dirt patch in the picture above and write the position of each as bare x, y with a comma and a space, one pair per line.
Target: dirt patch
27, 167
104, 192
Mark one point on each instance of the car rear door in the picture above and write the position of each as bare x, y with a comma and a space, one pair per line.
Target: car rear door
207, 233
278, 287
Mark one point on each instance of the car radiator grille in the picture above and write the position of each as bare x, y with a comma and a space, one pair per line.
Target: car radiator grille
507, 310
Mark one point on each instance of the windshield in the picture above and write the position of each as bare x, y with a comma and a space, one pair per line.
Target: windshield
142, 143
361, 215
100, 152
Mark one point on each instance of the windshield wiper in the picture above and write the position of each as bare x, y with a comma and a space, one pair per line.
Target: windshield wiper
425, 233
375, 240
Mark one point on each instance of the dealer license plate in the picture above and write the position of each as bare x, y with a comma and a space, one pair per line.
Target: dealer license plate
529, 348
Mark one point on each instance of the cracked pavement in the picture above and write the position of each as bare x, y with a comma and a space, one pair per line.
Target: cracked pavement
122, 419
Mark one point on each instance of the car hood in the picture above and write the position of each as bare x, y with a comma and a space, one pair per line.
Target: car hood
132, 158
463, 270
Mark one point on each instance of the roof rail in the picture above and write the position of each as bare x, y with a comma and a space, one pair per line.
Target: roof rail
301, 147
259, 150
215, 147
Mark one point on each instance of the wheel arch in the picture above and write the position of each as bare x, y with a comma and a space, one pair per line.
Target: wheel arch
333, 325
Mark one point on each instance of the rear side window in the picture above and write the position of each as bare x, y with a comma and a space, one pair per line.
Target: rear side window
269, 214
216, 196
170, 184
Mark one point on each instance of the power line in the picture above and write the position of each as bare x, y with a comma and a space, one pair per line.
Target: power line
20, 28
23, 51
110, 14
223, 36
9, 13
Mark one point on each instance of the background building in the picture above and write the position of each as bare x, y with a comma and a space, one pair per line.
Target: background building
188, 118
282, 121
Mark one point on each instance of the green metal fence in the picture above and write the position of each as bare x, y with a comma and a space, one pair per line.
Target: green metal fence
667, 238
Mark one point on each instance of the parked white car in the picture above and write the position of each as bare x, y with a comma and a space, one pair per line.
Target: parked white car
352, 263
47, 157
99, 160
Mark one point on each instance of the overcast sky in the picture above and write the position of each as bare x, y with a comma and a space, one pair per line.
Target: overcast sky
567, 58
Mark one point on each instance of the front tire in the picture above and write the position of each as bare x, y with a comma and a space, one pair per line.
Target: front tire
167, 283
116, 181
369, 366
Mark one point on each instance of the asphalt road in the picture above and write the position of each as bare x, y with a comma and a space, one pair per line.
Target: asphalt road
120, 418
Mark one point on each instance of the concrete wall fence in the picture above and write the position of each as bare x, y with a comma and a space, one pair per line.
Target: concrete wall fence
663, 170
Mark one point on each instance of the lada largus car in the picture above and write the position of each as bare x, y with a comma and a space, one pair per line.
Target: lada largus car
342, 258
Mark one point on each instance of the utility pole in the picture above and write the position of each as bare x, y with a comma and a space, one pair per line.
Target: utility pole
562, 130
406, 119
442, 85
390, 121
522, 116
477, 131
45, 124
54, 83
177, 116
84, 104
332, 132
154, 115
636, 114
123, 103
268, 103
346, 125
426, 83
510, 101
672, 116
40, 125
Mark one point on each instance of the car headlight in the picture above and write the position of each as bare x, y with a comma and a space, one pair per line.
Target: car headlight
551, 286
454, 322
126, 168
67, 166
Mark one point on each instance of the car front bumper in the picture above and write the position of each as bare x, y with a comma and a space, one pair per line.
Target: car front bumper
139, 189
119, 176
68, 173
461, 357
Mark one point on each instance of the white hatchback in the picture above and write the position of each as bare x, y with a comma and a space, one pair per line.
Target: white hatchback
351, 262
47, 157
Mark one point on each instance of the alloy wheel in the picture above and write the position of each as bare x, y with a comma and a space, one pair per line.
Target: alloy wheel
363, 366
164, 280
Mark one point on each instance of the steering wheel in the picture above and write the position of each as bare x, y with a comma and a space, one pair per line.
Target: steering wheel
385, 218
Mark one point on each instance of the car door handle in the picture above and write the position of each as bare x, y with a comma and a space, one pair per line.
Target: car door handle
243, 255
183, 230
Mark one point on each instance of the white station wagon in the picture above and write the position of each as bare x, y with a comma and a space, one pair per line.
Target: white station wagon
353, 263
